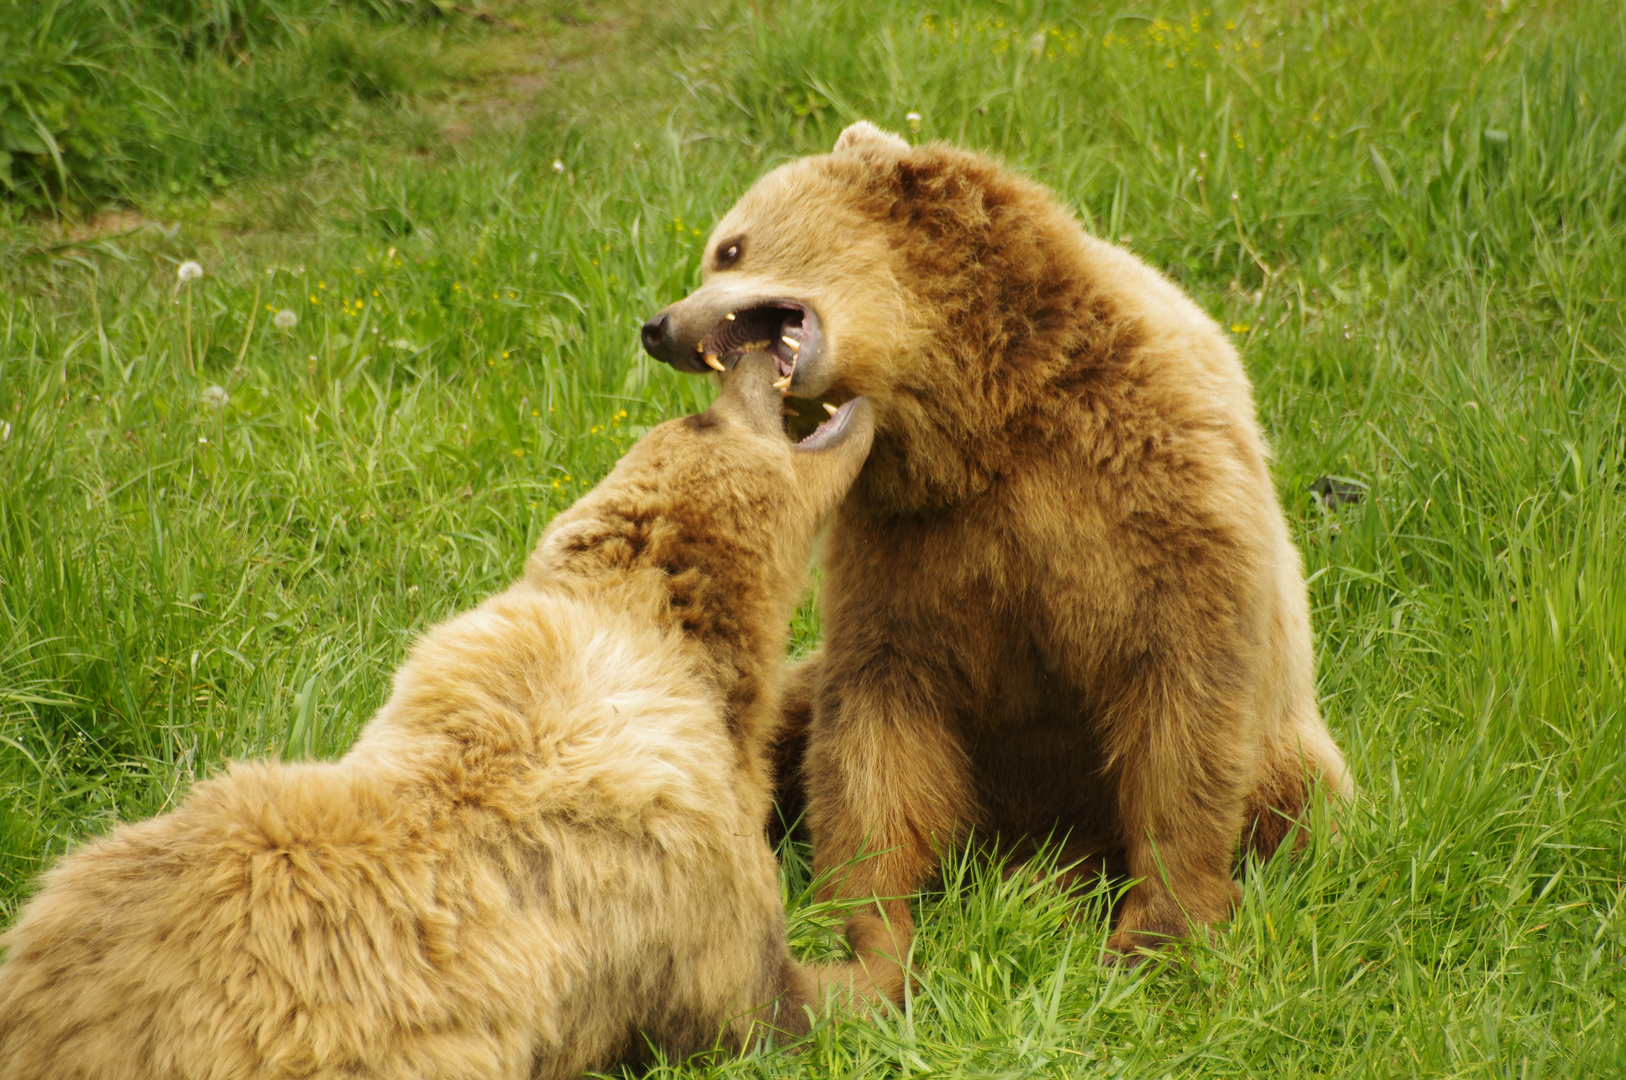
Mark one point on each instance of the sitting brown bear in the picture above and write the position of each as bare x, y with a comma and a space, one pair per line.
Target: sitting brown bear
1061, 598
544, 854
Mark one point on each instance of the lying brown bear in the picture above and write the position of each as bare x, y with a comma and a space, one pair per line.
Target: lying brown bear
544, 853
1061, 599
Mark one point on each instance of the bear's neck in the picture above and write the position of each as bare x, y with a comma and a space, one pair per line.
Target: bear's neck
962, 419
919, 467
714, 589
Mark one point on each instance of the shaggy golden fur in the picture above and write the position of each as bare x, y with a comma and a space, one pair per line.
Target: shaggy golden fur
1061, 598
543, 855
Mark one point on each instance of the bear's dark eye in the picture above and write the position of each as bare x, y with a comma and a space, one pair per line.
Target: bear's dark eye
728, 252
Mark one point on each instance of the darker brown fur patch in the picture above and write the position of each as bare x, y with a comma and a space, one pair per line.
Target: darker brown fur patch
1021, 340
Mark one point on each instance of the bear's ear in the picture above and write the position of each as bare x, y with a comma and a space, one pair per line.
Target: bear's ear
865, 136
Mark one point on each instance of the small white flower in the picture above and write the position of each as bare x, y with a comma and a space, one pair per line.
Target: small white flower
203, 438
285, 319
216, 397
914, 120
187, 271
558, 166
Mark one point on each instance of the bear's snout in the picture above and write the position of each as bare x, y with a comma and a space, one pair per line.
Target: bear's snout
706, 329
658, 339
672, 336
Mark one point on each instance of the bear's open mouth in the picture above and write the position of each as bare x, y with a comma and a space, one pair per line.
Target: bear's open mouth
808, 417
789, 332
785, 329
829, 430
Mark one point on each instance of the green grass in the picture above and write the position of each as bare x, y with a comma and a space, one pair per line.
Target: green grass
1422, 263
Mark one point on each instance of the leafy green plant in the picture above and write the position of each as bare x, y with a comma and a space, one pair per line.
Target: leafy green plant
98, 96
56, 132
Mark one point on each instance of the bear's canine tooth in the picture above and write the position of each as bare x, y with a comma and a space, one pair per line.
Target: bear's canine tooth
782, 385
729, 316
795, 346
714, 363
786, 410
829, 408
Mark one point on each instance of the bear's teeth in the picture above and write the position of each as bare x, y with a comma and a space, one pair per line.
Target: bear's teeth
786, 410
795, 346
729, 316
714, 363
829, 408
782, 385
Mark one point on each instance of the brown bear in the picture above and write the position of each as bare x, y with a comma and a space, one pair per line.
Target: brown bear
543, 855
1061, 599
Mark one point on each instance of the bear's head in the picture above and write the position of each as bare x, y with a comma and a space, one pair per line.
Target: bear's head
930, 279
797, 269
714, 511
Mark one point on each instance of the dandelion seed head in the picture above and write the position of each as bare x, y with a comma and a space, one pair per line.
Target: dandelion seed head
285, 319
188, 271
216, 397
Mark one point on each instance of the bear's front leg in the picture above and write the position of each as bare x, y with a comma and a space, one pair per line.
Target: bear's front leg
888, 786
1181, 746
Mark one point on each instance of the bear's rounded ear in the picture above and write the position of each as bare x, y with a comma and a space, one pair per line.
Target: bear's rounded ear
865, 136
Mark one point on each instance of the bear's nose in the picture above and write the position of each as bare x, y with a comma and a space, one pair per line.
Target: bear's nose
657, 335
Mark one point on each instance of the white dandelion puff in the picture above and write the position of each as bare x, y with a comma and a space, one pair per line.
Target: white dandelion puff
216, 397
285, 319
188, 271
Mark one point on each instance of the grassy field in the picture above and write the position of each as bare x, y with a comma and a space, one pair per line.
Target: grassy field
226, 505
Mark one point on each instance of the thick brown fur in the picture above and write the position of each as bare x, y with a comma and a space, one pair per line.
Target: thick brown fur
543, 855
1061, 599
